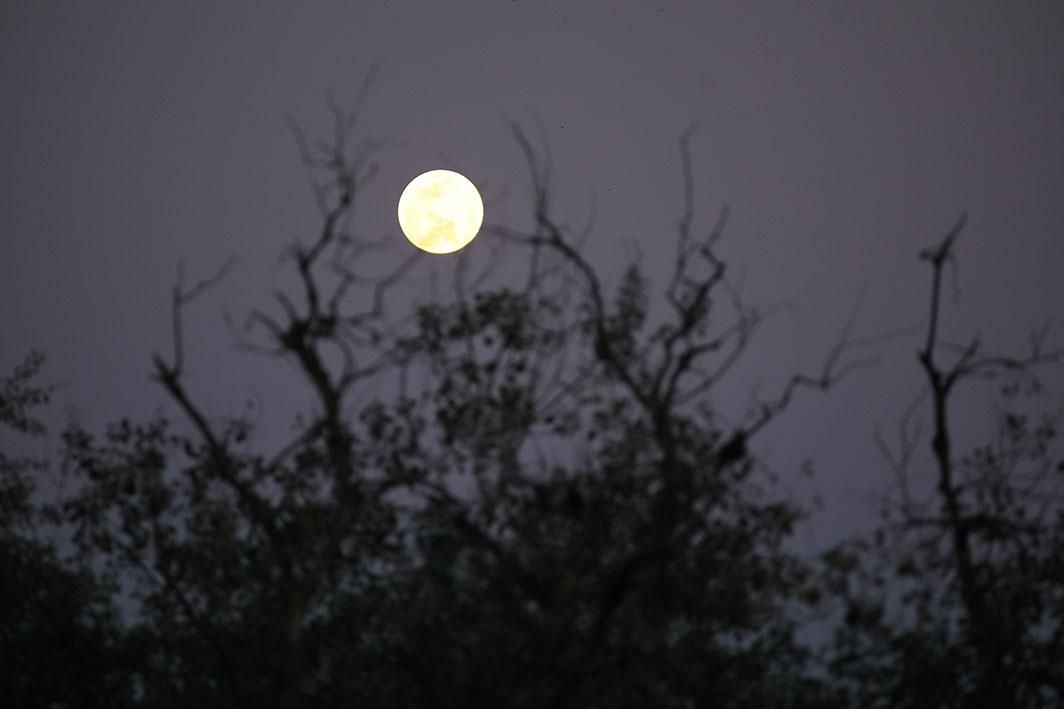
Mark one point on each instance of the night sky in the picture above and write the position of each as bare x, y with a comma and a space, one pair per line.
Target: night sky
844, 137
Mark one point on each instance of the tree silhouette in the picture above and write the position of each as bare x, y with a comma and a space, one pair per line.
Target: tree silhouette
53, 613
956, 601
543, 509
426, 550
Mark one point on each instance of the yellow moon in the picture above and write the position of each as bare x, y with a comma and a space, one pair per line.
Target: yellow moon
440, 211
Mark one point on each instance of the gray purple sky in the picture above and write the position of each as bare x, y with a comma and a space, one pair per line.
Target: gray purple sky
844, 136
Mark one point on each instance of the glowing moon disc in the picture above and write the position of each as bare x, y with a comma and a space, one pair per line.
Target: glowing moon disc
440, 211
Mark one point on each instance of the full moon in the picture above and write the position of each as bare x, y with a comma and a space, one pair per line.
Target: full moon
440, 211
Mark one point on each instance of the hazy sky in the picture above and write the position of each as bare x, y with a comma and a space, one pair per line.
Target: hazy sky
844, 136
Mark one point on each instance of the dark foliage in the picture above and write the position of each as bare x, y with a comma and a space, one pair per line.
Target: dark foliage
544, 512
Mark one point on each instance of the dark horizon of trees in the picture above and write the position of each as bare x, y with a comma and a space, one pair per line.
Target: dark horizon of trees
546, 512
